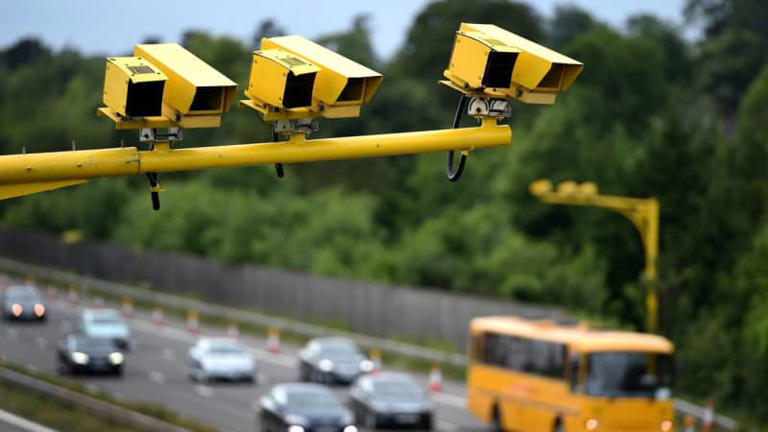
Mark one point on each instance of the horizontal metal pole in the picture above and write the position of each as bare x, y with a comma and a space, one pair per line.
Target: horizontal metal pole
86, 164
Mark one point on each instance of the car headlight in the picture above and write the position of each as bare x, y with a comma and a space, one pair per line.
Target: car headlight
16, 309
325, 365
296, 420
116, 358
666, 426
366, 366
39, 309
295, 428
591, 424
350, 428
80, 358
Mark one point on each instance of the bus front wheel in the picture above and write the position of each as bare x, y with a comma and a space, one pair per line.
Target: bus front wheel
496, 425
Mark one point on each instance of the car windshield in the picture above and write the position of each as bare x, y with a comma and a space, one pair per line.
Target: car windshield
23, 297
397, 391
94, 344
312, 400
225, 348
630, 374
339, 352
107, 320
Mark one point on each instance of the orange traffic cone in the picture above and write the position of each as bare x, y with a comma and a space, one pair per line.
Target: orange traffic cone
233, 331
708, 419
435, 379
193, 324
273, 340
127, 308
690, 423
157, 317
375, 356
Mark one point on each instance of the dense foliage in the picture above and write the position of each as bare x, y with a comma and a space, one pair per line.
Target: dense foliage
652, 114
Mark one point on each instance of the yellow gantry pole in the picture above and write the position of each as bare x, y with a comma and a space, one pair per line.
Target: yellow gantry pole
643, 212
33, 172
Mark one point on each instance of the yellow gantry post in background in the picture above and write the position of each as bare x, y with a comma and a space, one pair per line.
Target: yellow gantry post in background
643, 212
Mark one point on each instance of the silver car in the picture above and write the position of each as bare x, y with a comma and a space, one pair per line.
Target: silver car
24, 302
220, 359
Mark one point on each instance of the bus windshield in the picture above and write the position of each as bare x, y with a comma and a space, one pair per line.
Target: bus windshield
629, 375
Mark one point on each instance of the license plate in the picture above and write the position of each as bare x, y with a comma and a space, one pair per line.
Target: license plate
407, 418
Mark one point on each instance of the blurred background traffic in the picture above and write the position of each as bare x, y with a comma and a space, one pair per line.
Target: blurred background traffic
671, 104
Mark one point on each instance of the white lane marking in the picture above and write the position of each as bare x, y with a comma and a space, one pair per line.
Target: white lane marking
157, 377
445, 426
22, 423
12, 333
41, 343
450, 400
169, 354
204, 391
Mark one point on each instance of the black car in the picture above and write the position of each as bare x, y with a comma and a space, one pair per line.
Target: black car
299, 407
83, 354
24, 302
332, 360
390, 401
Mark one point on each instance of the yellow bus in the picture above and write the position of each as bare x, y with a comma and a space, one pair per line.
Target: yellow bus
540, 376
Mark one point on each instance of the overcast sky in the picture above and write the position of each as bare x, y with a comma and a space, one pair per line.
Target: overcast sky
99, 26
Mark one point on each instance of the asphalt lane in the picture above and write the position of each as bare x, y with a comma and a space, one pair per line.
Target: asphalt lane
154, 371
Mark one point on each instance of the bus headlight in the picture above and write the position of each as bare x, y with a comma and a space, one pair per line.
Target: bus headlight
591, 424
666, 426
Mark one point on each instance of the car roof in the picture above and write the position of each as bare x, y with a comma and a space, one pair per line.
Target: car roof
303, 388
390, 376
100, 313
218, 341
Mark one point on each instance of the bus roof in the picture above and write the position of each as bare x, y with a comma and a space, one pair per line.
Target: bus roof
577, 337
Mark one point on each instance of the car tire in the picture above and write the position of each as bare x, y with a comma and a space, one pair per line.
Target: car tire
426, 423
558, 426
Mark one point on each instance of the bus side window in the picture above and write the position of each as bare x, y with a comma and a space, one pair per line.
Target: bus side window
478, 348
575, 373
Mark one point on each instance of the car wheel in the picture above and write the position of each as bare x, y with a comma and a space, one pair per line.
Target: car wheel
558, 427
426, 423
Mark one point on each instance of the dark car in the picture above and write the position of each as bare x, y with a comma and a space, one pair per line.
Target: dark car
299, 407
24, 302
83, 354
332, 360
390, 401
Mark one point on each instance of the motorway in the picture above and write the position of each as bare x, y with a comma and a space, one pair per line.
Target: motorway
154, 371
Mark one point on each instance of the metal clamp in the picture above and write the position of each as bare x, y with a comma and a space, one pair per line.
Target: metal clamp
154, 134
